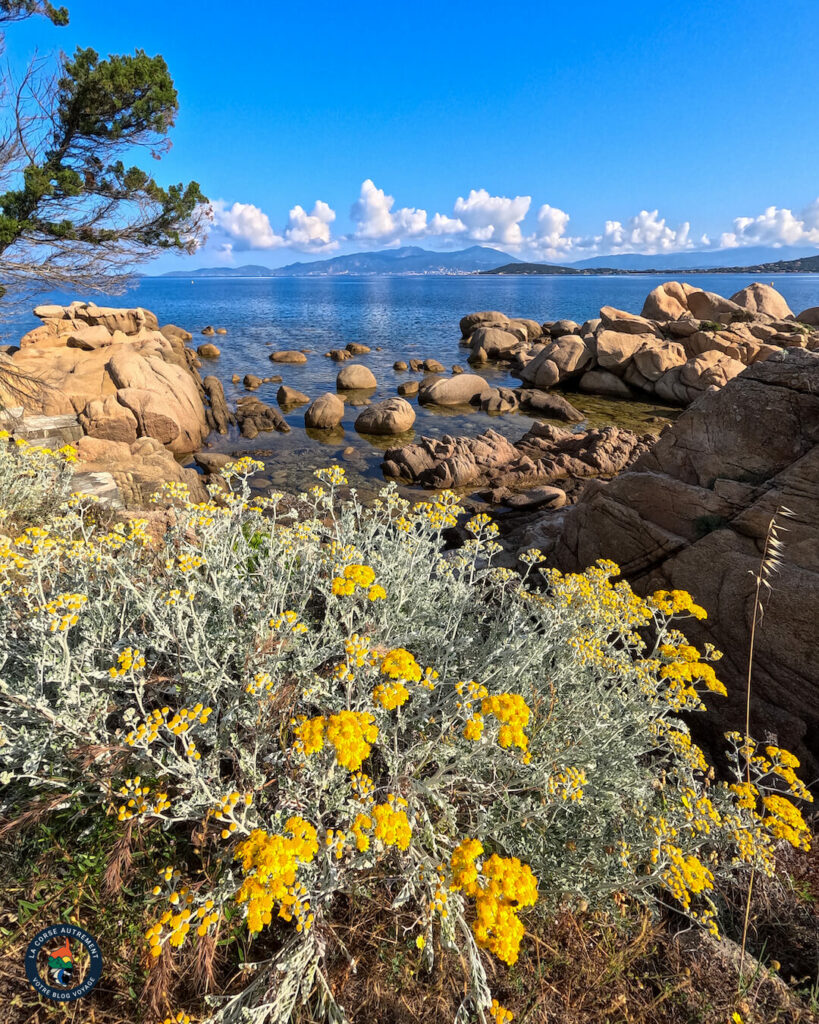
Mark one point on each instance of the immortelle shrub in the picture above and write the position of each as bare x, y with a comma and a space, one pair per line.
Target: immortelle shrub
33, 479
331, 704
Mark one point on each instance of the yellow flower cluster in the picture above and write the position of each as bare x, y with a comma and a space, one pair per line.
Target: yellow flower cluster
567, 784
482, 524
130, 659
350, 732
784, 821
699, 811
681, 744
400, 664
363, 787
473, 730
334, 475
501, 887
262, 682
682, 671
358, 576
62, 611
675, 602
186, 562
174, 927
783, 763
334, 840
138, 802
363, 823
270, 863
683, 876
592, 596
309, 735
510, 709
439, 514
392, 826
391, 695
180, 1018
290, 621
357, 649
500, 1014
177, 724
225, 810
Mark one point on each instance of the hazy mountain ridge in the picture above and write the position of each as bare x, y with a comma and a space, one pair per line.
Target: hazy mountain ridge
703, 260
408, 260
412, 260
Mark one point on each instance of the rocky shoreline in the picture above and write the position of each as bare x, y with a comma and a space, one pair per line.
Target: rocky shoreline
688, 509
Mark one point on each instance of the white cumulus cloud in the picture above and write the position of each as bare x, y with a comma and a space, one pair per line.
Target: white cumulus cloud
490, 218
246, 226
493, 220
775, 226
646, 232
376, 220
311, 231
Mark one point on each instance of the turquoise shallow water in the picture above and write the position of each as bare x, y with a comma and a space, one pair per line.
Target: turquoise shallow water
407, 317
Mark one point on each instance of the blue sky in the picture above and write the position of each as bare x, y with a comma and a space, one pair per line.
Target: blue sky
550, 130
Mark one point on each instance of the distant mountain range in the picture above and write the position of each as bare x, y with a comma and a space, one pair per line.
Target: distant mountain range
408, 260
411, 260
752, 255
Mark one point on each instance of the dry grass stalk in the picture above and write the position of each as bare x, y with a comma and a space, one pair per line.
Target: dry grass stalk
771, 561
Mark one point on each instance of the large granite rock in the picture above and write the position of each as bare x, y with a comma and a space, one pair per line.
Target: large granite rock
325, 412
392, 416
472, 320
668, 301
762, 298
116, 371
355, 378
462, 389
692, 513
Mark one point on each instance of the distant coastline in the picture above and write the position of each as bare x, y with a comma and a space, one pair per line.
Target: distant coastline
806, 265
412, 261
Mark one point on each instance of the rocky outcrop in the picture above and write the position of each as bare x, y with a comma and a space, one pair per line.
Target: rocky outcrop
692, 513
129, 474
685, 342
543, 455
116, 371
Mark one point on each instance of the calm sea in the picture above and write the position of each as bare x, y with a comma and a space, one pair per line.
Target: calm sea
406, 317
